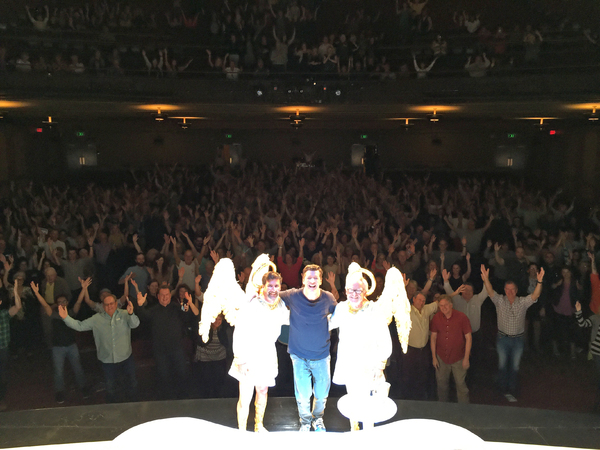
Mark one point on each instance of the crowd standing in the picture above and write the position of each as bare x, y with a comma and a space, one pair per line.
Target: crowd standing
131, 261
358, 41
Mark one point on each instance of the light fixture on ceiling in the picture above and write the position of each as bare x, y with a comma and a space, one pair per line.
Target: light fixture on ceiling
593, 118
407, 125
159, 116
296, 120
49, 123
541, 126
184, 125
435, 117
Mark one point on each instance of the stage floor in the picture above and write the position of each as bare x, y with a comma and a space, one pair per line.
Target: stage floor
94, 423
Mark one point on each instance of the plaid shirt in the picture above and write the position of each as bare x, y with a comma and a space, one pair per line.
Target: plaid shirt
511, 318
4, 328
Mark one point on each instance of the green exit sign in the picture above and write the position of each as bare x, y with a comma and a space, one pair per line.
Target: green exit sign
364, 136
80, 134
228, 136
512, 135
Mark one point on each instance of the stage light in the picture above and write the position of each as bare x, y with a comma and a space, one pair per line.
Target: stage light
159, 116
259, 93
407, 124
338, 92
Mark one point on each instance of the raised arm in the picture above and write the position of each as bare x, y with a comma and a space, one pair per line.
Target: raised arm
538, 288
485, 276
45, 306
467, 274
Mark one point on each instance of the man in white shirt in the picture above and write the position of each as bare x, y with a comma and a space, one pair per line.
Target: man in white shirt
416, 364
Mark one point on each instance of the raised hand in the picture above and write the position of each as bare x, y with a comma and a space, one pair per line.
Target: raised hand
215, 256
485, 273
496, 247
129, 307
141, 299
62, 311
445, 275
386, 265
181, 273
85, 284
577, 306
35, 288
197, 279
432, 274
331, 278
540, 275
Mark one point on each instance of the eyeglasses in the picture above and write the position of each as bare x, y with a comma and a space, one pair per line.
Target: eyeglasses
354, 291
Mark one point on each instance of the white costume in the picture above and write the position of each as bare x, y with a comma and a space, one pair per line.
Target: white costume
365, 343
257, 324
257, 327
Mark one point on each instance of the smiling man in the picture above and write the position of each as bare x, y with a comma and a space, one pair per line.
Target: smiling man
309, 345
112, 335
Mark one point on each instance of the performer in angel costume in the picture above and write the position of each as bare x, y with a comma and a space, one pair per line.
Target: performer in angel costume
257, 316
364, 338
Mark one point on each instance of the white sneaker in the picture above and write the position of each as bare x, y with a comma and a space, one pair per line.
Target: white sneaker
318, 425
511, 398
304, 428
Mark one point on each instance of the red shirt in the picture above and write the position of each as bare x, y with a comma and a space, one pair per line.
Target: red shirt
450, 343
290, 275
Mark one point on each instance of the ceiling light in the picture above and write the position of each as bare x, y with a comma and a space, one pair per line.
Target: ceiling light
184, 125
433, 118
159, 116
593, 117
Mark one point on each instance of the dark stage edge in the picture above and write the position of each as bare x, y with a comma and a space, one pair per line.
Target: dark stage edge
105, 422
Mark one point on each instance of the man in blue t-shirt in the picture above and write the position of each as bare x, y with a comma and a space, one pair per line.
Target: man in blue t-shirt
309, 345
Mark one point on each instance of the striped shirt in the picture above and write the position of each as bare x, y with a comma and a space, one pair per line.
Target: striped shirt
511, 317
594, 323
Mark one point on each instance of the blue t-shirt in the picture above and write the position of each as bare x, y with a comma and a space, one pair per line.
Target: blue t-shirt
309, 329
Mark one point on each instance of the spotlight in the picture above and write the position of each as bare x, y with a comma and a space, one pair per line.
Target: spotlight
338, 92
259, 93
435, 117
184, 125
159, 116
593, 118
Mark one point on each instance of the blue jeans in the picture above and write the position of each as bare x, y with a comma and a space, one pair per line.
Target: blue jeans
510, 350
58, 358
112, 371
311, 377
